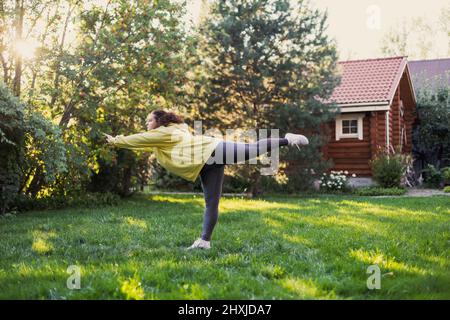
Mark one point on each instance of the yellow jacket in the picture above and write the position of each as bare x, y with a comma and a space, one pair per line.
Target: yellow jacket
176, 149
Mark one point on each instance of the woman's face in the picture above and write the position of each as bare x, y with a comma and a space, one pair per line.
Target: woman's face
151, 122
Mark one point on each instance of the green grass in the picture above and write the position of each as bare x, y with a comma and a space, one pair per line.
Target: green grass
379, 191
268, 248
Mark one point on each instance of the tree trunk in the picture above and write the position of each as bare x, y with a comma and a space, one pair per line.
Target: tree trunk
2, 45
60, 53
126, 182
255, 188
20, 11
439, 156
36, 183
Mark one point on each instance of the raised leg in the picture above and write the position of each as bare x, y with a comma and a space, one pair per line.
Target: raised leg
229, 152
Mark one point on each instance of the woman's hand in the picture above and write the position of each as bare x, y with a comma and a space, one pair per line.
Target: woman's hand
109, 139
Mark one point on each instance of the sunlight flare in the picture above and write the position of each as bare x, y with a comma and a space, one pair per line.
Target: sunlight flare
26, 48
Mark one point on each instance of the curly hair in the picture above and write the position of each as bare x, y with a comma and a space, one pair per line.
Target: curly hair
164, 118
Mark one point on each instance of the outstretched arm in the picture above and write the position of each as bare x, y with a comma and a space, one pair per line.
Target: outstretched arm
149, 139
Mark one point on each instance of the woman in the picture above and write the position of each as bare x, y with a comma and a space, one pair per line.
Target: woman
189, 156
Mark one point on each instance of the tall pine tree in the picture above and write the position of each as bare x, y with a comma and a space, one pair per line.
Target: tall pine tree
264, 64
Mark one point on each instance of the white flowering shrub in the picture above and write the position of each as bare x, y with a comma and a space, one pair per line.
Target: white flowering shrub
335, 181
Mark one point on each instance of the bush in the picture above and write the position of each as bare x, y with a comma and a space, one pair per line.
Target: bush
379, 191
335, 181
388, 170
432, 176
45, 156
447, 189
31, 148
431, 135
87, 200
165, 180
12, 132
446, 174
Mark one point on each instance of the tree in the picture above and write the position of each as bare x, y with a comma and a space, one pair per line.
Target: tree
417, 38
29, 35
135, 66
444, 25
96, 67
431, 137
265, 64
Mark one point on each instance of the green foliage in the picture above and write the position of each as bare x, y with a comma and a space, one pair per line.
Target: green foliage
127, 59
431, 137
379, 191
305, 166
78, 166
135, 66
432, 176
46, 153
446, 173
118, 177
86, 200
388, 170
447, 189
265, 65
30, 143
165, 180
12, 131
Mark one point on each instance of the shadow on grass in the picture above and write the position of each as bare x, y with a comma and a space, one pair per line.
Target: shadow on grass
340, 230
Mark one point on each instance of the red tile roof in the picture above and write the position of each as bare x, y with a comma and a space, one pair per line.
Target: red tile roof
368, 81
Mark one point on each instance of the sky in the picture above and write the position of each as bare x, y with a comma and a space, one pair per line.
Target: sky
359, 25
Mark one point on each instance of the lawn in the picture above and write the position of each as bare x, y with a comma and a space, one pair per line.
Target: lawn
269, 248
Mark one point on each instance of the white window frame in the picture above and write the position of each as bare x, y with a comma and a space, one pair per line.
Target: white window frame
354, 116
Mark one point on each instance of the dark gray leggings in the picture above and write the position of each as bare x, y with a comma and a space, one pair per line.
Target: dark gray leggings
212, 173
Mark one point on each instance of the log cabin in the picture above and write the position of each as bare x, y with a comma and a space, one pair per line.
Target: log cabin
377, 105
